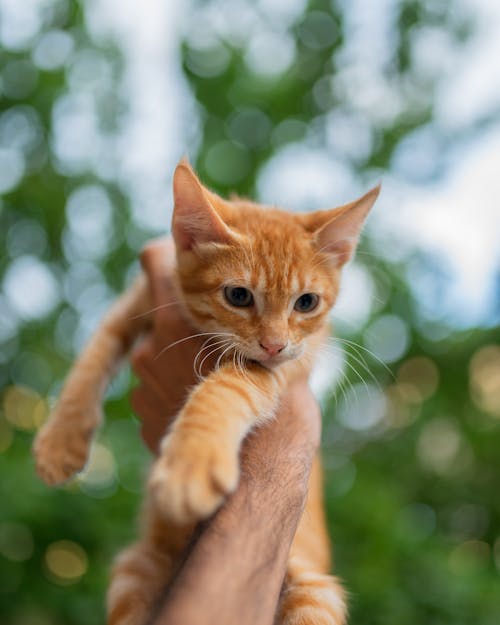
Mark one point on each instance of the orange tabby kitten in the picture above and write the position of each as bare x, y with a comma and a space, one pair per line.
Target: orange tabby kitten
262, 281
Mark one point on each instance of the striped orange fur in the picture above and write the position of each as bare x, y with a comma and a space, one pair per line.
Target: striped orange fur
263, 281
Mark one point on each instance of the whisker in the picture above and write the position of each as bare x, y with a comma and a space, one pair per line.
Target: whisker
204, 347
206, 344
148, 312
213, 351
362, 362
217, 364
371, 254
345, 376
370, 353
187, 338
244, 373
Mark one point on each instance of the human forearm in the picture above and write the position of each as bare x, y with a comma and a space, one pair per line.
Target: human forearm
236, 568
236, 575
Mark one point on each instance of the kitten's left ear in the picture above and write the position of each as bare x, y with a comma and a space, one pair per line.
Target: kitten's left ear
337, 231
195, 220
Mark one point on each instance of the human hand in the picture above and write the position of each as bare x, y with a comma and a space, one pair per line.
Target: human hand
164, 359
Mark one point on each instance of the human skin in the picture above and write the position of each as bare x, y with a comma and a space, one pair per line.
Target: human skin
235, 569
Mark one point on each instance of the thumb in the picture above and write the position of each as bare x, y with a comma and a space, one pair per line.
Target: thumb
158, 262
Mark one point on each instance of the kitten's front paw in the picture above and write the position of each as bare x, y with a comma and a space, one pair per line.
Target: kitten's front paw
60, 451
192, 477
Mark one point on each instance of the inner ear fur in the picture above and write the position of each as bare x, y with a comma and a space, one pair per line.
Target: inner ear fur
337, 231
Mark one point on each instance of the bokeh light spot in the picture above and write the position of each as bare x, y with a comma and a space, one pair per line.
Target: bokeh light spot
403, 404
16, 542
8, 325
52, 50
439, 445
318, 30
420, 373
208, 62
24, 408
388, 338
270, 53
90, 217
419, 520
19, 24
250, 127
484, 371
89, 69
469, 521
227, 162
66, 561
470, 557
343, 479
20, 128
362, 407
99, 476
288, 131
31, 287
26, 236
354, 303
11, 169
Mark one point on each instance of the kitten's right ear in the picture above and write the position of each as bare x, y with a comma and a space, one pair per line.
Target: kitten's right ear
194, 220
337, 231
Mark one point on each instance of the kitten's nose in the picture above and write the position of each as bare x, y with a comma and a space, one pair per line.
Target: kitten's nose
272, 348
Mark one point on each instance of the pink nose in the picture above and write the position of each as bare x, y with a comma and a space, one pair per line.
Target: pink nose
272, 348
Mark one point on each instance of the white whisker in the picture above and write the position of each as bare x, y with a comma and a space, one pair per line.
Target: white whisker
355, 345
218, 344
148, 312
217, 364
213, 351
187, 338
357, 357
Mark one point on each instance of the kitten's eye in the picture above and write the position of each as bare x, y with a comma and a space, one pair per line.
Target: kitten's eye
306, 302
238, 296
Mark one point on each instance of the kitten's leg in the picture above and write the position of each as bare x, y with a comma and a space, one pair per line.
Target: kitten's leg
142, 572
62, 445
139, 576
198, 463
311, 596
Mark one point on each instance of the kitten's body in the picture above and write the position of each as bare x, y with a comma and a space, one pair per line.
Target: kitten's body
224, 250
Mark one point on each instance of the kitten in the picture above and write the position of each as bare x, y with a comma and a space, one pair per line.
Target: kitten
268, 279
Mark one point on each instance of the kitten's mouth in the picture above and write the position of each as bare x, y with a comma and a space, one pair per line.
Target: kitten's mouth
267, 364
272, 362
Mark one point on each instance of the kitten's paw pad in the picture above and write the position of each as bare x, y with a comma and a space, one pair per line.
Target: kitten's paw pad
192, 478
59, 454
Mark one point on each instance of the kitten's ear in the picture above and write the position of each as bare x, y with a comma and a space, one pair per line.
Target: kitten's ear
337, 231
195, 219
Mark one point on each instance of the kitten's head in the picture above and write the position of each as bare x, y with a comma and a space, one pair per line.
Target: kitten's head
266, 277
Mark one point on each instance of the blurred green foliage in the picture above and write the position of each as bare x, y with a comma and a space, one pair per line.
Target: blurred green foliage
411, 497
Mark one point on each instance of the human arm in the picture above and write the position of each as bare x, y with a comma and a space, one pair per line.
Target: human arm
235, 569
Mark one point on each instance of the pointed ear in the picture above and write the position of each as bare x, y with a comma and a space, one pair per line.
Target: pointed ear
337, 231
194, 220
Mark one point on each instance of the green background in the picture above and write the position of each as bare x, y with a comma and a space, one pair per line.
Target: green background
412, 501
